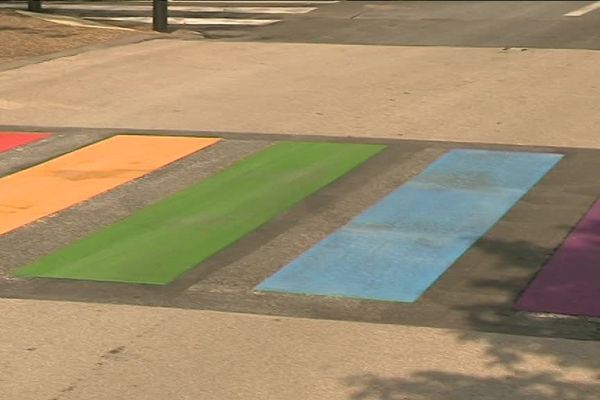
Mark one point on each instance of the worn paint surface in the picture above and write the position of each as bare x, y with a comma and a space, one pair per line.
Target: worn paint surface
396, 249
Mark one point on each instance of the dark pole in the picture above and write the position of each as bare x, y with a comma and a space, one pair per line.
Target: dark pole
159, 15
34, 5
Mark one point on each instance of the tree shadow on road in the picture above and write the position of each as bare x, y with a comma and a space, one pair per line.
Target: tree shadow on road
527, 257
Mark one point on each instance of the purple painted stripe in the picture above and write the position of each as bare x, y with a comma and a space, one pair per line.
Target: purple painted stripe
570, 282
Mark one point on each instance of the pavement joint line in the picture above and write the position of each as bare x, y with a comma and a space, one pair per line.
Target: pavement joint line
583, 10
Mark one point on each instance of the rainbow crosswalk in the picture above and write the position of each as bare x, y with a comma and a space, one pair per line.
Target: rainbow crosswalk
159, 243
393, 251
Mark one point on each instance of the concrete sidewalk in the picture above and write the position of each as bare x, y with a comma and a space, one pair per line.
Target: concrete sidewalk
533, 97
62, 350
68, 351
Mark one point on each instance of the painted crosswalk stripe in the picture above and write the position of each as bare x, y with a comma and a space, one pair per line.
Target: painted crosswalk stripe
396, 249
570, 282
11, 140
225, 4
192, 21
235, 10
157, 244
270, 2
72, 178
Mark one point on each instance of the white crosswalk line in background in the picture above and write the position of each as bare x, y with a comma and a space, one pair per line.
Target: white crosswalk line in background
258, 2
141, 11
193, 21
237, 10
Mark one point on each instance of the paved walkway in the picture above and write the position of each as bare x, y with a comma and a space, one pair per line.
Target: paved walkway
533, 97
85, 351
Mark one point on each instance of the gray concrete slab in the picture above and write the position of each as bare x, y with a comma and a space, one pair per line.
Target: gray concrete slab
534, 97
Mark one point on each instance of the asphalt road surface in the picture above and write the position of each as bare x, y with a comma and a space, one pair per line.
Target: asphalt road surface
541, 24
533, 24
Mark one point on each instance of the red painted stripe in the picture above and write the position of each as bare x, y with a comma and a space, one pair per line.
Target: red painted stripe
570, 282
10, 140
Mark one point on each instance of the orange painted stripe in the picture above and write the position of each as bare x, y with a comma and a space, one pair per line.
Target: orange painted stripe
72, 178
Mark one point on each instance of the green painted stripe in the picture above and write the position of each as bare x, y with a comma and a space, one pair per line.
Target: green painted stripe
159, 243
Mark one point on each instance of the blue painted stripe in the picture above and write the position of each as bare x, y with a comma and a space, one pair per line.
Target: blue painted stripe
396, 249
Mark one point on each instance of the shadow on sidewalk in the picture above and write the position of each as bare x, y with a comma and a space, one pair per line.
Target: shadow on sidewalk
518, 381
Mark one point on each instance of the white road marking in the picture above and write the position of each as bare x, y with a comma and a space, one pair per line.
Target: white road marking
584, 10
246, 2
193, 21
128, 7
249, 10
260, 2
